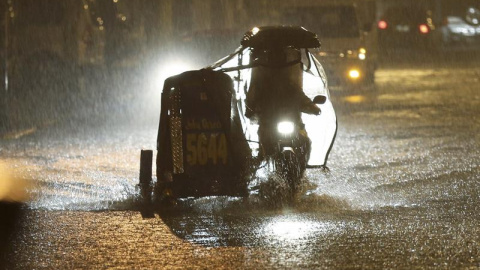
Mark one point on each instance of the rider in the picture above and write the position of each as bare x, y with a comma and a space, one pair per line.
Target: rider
276, 89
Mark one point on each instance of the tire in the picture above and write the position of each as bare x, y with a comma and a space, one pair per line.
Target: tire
291, 169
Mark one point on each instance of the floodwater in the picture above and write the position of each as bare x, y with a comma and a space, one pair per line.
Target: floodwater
403, 192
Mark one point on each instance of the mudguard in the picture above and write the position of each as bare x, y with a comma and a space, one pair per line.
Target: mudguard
202, 150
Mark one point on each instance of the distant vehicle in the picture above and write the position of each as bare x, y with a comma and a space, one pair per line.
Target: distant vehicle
349, 41
460, 29
209, 146
405, 28
449, 26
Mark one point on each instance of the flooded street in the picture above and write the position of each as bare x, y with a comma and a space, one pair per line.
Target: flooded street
403, 192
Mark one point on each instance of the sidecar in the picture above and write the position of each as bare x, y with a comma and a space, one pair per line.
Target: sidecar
205, 145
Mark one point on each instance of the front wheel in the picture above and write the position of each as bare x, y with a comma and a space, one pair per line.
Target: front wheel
291, 168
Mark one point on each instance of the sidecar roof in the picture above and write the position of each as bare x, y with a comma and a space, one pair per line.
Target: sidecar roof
268, 37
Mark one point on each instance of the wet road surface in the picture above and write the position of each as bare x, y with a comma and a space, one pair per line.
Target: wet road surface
402, 192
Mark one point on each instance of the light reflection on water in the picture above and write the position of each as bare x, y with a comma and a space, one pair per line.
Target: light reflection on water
294, 228
355, 99
224, 221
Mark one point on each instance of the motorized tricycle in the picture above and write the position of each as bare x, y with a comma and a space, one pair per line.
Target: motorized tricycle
209, 145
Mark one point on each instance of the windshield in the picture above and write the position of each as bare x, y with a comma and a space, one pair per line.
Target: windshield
314, 78
326, 21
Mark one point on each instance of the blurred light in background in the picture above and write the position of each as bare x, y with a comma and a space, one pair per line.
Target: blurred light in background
354, 74
382, 25
362, 53
423, 28
166, 70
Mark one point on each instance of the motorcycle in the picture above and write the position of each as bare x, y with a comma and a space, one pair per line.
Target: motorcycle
206, 146
285, 147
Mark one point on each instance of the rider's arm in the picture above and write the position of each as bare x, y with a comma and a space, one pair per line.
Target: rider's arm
307, 105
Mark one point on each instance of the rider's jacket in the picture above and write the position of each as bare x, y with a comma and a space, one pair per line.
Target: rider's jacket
277, 91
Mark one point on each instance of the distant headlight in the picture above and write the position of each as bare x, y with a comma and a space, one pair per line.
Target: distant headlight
354, 74
360, 54
286, 127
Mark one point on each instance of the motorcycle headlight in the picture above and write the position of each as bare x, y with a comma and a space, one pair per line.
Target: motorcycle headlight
286, 127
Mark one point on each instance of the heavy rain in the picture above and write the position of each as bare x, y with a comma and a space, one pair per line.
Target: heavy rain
81, 95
